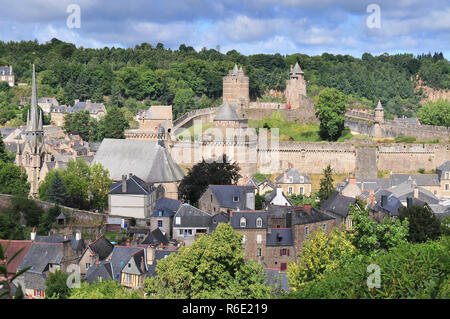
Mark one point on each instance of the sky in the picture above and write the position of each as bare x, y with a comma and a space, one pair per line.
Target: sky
249, 26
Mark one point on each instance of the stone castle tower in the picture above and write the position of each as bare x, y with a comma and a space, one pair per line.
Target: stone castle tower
31, 155
236, 88
295, 87
379, 119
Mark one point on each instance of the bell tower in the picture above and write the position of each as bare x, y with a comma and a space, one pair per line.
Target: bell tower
31, 155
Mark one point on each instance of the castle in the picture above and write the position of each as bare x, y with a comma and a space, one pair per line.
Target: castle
309, 157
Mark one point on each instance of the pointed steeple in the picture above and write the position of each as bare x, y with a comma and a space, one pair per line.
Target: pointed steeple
40, 128
297, 69
34, 115
379, 106
235, 70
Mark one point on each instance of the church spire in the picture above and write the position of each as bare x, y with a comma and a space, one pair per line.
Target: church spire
33, 125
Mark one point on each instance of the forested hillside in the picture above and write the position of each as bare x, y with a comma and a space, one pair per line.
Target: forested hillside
189, 79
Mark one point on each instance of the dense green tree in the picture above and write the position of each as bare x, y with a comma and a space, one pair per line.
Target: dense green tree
300, 200
423, 224
184, 102
369, 236
57, 192
213, 267
13, 180
77, 123
203, 174
4, 153
330, 110
113, 124
56, 285
10, 227
106, 289
435, 113
409, 271
100, 186
320, 252
326, 184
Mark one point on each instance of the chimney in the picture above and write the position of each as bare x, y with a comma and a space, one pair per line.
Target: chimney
78, 235
416, 192
352, 180
150, 255
124, 183
33, 234
409, 202
88, 102
307, 208
383, 200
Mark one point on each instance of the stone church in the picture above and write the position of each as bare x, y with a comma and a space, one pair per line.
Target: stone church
31, 155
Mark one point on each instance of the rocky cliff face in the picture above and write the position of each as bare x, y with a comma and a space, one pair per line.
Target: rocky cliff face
431, 94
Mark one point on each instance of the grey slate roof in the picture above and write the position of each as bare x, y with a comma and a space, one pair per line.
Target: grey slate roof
119, 257
297, 69
421, 179
40, 255
191, 216
278, 211
301, 217
280, 237
156, 237
101, 246
393, 204
135, 186
406, 190
34, 280
166, 207
226, 113
218, 218
102, 270
75, 244
444, 167
225, 193
338, 204
251, 217
296, 176
145, 159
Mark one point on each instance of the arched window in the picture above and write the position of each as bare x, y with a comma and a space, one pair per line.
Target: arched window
259, 222
243, 222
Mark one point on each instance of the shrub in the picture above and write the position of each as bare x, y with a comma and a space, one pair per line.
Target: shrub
407, 271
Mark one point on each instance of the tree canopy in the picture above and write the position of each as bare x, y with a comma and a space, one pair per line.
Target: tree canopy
213, 267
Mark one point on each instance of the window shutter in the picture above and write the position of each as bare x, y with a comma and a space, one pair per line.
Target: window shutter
288, 252
281, 252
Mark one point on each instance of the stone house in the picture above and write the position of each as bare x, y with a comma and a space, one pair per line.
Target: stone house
443, 173
132, 198
223, 198
384, 204
156, 238
47, 103
338, 206
252, 225
96, 111
261, 187
162, 215
95, 252
279, 248
292, 182
44, 258
189, 223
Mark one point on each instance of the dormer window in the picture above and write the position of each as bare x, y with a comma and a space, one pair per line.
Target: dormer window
235, 199
259, 222
291, 179
159, 213
243, 222
302, 179
178, 220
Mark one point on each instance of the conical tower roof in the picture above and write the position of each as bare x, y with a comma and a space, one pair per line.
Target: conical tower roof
235, 69
379, 106
226, 113
33, 124
297, 69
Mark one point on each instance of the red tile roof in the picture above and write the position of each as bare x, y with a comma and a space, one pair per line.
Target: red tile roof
13, 247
